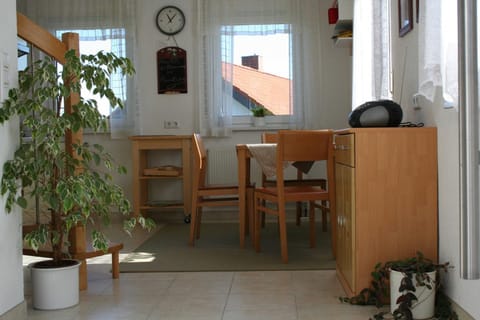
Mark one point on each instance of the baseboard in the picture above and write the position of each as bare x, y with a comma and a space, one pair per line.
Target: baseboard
462, 314
16, 313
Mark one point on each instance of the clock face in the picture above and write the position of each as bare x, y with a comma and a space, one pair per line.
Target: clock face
170, 20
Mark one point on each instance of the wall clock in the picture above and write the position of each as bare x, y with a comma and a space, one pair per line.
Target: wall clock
170, 20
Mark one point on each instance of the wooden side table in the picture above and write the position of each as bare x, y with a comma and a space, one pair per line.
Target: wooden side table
142, 174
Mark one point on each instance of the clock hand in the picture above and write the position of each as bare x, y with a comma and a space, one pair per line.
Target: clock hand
170, 18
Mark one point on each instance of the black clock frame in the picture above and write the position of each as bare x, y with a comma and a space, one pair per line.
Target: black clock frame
164, 31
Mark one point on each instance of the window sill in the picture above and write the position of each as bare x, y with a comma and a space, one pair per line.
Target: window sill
239, 128
245, 123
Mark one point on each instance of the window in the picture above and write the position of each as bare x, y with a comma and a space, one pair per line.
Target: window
371, 52
261, 68
230, 30
91, 44
113, 22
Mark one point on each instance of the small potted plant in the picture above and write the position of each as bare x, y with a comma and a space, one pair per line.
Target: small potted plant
411, 285
73, 181
259, 112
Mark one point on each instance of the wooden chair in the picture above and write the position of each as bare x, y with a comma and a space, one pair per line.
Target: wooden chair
270, 137
296, 145
204, 195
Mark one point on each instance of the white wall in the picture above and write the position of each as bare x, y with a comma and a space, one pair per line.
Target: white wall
462, 292
156, 108
11, 275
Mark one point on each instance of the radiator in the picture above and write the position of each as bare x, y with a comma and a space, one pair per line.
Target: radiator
223, 167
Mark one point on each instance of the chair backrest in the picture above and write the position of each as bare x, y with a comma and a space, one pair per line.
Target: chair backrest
199, 161
269, 137
306, 145
272, 137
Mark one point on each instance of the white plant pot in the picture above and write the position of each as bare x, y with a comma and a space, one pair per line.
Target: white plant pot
424, 308
55, 288
259, 121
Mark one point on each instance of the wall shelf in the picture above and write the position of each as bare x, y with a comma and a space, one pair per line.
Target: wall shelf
342, 33
343, 42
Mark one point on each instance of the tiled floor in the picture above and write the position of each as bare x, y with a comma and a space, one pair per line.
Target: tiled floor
279, 295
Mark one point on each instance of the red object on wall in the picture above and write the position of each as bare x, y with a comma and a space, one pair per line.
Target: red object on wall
332, 15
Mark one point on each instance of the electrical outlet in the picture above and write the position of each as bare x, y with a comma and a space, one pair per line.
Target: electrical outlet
415, 101
170, 124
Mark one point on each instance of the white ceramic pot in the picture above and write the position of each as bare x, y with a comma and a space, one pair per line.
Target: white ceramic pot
55, 288
259, 121
424, 308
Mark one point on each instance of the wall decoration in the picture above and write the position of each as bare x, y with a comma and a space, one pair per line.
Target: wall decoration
405, 16
171, 70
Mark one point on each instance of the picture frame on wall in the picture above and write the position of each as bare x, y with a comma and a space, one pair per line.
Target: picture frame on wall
405, 16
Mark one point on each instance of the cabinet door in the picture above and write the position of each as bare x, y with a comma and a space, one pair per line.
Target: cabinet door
345, 192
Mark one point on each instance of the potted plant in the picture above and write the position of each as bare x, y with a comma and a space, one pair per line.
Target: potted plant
412, 286
259, 112
73, 181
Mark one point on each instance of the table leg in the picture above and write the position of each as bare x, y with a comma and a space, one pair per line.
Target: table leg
243, 180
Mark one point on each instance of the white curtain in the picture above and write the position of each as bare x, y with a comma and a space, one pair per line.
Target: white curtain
438, 57
371, 51
218, 18
113, 20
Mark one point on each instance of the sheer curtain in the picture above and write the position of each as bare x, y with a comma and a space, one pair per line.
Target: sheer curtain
113, 20
218, 23
438, 54
371, 51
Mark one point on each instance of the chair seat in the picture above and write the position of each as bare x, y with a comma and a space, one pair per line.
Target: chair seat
217, 191
297, 193
296, 182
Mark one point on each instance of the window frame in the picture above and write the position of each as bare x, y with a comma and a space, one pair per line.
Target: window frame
124, 90
242, 122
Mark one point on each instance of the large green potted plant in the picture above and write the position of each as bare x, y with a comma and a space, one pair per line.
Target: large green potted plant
412, 286
75, 181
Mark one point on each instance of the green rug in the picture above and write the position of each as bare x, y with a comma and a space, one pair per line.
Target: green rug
218, 249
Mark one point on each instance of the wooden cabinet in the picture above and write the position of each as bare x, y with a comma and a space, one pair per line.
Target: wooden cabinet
145, 172
386, 196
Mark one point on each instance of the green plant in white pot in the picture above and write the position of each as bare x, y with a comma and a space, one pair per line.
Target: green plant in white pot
74, 182
259, 112
412, 286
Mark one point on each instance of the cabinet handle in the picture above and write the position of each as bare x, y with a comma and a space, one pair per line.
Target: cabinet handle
340, 220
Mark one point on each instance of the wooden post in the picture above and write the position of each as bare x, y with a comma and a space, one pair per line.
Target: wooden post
77, 235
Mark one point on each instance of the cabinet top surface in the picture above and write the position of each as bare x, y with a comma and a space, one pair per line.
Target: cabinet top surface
382, 129
160, 137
